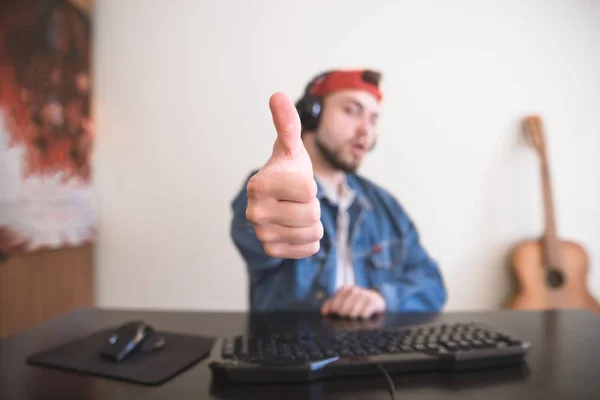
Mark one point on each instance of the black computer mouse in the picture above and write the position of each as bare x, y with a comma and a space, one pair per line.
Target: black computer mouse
130, 338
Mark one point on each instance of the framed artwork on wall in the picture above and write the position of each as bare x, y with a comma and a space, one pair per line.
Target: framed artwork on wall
46, 124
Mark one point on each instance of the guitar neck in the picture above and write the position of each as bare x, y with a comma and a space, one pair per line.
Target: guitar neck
551, 248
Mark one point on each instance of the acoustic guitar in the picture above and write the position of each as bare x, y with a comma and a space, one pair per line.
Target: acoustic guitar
551, 272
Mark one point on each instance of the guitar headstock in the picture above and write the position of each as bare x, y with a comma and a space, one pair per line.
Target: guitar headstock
534, 131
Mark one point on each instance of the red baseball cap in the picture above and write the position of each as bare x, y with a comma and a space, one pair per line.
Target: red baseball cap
362, 79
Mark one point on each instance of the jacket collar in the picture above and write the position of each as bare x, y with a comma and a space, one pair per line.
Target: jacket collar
355, 185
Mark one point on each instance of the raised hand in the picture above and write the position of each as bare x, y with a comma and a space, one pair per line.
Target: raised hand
282, 197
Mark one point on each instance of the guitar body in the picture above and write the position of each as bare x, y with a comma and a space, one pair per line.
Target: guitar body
551, 272
535, 292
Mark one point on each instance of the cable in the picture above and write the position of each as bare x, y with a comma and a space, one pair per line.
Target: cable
390, 381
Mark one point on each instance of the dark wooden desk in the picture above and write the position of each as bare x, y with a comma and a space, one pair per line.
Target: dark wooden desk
564, 362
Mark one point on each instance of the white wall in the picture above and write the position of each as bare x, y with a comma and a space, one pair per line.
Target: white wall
182, 92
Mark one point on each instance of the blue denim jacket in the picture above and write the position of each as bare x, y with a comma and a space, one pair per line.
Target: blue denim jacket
387, 254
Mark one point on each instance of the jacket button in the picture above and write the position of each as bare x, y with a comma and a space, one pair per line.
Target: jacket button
319, 294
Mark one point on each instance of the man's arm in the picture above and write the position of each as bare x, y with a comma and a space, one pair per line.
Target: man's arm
244, 237
420, 285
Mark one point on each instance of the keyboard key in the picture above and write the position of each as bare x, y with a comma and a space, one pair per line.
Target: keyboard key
346, 353
464, 345
407, 349
452, 346
392, 349
331, 353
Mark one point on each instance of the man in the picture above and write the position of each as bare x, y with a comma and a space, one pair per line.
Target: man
314, 234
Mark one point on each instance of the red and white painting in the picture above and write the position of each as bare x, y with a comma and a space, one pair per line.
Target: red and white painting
46, 124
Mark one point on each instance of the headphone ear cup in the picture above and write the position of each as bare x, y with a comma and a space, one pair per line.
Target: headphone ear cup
309, 110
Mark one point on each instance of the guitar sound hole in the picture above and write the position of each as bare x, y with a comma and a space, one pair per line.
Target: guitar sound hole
555, 278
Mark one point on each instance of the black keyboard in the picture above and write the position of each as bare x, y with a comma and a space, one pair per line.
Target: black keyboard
310, 356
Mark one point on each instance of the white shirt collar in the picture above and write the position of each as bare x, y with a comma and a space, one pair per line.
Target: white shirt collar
344, 197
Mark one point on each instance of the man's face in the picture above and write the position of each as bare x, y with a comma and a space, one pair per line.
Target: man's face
347, 128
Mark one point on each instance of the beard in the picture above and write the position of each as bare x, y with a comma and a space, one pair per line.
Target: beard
334, 158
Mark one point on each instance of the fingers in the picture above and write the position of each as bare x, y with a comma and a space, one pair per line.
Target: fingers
340, 299
282, 185
294, 251
272, 234
326, 308
287, 123
358, 307
354, 302
285, 214
367, 310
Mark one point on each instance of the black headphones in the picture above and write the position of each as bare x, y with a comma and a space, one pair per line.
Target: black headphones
309, 106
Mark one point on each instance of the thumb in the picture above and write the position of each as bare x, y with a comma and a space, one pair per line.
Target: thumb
287, 123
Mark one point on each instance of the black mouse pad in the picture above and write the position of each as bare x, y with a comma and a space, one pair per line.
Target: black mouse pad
83, 356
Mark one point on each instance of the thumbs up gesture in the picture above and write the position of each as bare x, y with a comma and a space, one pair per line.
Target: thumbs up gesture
282, 202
